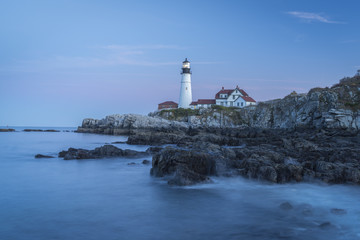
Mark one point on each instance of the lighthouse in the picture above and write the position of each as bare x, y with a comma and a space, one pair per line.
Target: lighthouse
185, 89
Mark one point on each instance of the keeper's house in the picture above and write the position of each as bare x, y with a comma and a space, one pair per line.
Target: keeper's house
233, 98
226, 97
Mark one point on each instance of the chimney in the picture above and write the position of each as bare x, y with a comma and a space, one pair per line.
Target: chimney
222, 88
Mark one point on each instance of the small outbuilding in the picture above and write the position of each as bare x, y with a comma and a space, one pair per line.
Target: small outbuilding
167, 105
202, 103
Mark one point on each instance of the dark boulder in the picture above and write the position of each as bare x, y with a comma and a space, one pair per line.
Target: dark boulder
286, 206
105, 151
146, 162
7, 130
43, 156
185, 167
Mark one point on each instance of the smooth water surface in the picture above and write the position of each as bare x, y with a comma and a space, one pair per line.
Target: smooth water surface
109, 199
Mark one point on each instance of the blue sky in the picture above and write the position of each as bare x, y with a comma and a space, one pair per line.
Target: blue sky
62, 61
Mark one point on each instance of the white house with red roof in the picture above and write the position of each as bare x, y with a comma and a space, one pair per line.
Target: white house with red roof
233, 98
226, 97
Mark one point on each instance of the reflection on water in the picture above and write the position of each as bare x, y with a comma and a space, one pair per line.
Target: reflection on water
109, 199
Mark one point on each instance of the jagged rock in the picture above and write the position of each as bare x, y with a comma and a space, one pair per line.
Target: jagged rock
185, 166
153, 150
100, 152
279, 158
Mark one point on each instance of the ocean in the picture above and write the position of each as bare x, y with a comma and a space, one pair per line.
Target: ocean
110, 199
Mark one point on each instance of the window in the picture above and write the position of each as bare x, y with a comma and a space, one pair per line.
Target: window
242, 104
231, 103
186, 88
238, 104
233, 96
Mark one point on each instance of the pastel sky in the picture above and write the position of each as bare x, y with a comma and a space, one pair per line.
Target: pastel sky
62, 61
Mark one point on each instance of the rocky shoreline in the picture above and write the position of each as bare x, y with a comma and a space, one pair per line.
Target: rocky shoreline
270, 155
298, 138
274, 155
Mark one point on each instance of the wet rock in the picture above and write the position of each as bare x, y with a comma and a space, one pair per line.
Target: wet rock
186, 177
286, 206
100, 152
184, 167
338, 211
153, 150
326, 225
43, 156
7, 130
146, 162
118, 142
40, 130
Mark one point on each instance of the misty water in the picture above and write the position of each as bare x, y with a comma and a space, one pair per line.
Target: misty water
109, 199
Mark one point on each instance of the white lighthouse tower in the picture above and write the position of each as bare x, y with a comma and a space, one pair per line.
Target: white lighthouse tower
185, 89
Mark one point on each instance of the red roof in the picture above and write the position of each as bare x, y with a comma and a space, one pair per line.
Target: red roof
248, 99
168, 103
204, 101
224, 91
243, 92
229, 91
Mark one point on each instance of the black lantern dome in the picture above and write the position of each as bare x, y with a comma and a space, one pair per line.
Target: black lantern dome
186, 67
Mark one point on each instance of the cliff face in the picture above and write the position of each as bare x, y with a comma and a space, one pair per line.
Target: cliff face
119, 124
337, 107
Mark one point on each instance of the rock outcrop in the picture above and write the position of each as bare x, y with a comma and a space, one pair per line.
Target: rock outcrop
123, 124
106, 151
40, 130
7, 130
276, 156
186, 167
337, 107
43, 156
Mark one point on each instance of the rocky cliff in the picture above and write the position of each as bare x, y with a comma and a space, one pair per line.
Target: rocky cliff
337, 107
123, 124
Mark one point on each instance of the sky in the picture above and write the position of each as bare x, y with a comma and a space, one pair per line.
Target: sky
63, 61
